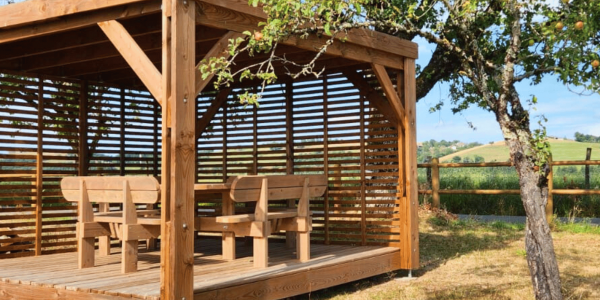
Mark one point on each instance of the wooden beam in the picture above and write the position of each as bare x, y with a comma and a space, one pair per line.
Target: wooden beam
409, 219
375, 99
178, 248
140, 26
211, 111
390, 92
218, 50
134, 56
40, 10
219, 17
361, 37
80, 20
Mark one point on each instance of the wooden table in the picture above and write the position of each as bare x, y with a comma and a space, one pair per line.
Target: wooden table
227, 208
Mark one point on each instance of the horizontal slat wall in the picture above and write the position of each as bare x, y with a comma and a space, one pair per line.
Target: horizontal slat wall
123, 138
334, 130
18, 144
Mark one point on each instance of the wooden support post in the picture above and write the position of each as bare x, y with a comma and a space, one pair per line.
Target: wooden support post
435, 182
325, 154
588, 156
83, 127
178, 244
409, 209
363, 196
255, 139
224, 149
122, 133
167, 285
290, 237
39, 169
550, 204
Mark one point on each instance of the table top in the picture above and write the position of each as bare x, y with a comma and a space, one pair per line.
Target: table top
212, 187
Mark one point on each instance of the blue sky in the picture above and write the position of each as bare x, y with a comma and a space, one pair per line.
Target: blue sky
566, 112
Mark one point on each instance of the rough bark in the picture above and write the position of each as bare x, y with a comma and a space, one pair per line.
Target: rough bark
543, 266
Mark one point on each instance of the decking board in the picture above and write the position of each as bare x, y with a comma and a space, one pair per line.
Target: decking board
58, 277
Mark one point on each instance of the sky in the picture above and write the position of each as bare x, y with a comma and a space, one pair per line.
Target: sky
567, 112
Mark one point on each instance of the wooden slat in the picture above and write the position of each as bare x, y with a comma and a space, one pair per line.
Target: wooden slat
281, 181
134, 56
250, 217
111, 196
251, 195
137, 183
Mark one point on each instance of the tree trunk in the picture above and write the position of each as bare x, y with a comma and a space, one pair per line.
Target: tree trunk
541, 259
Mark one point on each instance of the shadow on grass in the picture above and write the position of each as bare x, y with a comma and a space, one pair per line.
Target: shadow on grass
439, 242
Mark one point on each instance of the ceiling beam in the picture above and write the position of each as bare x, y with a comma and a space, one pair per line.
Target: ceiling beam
71, 21
40, 10
135, 57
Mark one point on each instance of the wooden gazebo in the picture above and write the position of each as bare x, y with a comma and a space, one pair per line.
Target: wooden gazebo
96, 87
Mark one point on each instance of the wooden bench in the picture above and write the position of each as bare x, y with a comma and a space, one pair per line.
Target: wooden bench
265, 221
128, 225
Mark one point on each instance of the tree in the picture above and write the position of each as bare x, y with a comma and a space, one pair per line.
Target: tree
456, 159
483, 48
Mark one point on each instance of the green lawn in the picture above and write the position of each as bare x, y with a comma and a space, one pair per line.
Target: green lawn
561, 150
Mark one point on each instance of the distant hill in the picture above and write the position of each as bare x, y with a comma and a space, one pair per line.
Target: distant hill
561, 150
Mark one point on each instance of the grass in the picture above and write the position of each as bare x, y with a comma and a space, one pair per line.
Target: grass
505, 178
472, 260
561, 150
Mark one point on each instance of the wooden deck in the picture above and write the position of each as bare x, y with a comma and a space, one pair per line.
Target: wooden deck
57, 277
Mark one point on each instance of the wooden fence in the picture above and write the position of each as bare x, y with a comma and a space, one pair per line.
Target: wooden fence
435, 190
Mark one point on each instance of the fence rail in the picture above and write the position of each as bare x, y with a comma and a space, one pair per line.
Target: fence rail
435, 190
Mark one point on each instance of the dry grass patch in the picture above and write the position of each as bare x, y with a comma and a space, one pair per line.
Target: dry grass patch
470, 260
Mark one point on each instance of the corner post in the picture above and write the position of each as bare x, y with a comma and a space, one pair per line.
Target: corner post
410, 206
179, 149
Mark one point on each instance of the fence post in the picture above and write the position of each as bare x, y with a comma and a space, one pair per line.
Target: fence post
588, 156
550, 204
435, 182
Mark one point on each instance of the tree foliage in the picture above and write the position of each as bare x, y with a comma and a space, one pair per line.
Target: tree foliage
483, 48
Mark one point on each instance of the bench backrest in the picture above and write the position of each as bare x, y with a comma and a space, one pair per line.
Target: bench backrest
281, 187
110, 189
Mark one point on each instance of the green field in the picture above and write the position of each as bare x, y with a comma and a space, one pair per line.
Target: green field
561, 150
565, 177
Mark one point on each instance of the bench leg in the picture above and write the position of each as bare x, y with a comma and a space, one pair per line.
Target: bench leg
303, 246
261, 252
228, 245
104, 245
290, 239
85, 252
130, 254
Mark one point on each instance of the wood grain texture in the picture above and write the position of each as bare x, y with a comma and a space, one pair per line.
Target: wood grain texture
135, 57
75, 21
409, 210
179, 248
40, 10
390, 92
220, 17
